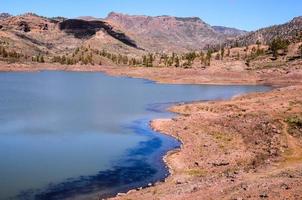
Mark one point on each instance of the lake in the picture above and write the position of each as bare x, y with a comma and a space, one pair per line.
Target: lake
69, 134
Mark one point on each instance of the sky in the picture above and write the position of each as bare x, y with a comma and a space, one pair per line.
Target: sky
243, 14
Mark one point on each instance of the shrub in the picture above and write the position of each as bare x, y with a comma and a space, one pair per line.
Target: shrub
278, 44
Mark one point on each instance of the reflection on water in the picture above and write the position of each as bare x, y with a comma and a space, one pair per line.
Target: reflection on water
66, 134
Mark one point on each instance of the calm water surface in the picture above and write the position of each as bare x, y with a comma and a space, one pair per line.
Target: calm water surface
64, 134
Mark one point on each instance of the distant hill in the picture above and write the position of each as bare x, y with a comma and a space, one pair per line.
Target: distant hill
289, 30
230, 32
4, 15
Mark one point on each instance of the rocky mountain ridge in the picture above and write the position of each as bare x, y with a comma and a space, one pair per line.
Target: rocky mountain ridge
168, 33
231, 32
291, 30
132, 35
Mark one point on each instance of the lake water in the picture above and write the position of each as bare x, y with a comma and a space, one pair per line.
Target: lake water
68, 134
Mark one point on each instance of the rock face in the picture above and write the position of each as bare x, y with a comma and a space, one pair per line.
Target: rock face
166, 33
23, 26
289, 30
85, 29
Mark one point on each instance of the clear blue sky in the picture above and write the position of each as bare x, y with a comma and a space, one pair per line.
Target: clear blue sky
244, 14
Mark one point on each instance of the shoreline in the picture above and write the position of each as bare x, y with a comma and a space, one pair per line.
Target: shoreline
170, 153
172, 75
156, 125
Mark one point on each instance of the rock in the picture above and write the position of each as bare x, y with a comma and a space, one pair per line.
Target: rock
86, 29
285, 186
178, 182
196, 164
244, 186
43, 27
130, 191
230, 175
23, 26
194, 189
263, 195
221, 163
140, 188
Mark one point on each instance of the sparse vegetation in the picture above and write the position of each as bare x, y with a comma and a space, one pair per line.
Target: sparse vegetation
278, 44
11, 56
295, 125
197, 172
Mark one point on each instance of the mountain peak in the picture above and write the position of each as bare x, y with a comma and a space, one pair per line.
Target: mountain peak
112, 15
189, 19
297, 19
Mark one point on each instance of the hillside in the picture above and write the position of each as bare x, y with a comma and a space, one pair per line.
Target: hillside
167, 33
30, 35
229, 32
290, 30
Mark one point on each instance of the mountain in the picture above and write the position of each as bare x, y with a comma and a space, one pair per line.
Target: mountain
31, 34
229, 32
136, 35
167, 33
289, 30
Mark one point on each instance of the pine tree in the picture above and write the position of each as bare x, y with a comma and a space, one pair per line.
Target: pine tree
228, 53
145, 60
222, 53
238, 56
202, 59
4, 53
125, 60
63, 60
208, 58
76, 51
177, 63
41, 59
